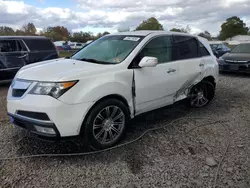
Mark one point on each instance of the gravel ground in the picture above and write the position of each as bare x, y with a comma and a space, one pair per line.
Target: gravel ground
187, 153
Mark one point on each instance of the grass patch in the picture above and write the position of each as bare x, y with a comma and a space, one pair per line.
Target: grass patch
65, 53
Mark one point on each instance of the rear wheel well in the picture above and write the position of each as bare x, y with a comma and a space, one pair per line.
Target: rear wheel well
114, 96
210, 79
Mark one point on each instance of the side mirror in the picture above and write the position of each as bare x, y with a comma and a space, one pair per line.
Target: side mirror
148, 62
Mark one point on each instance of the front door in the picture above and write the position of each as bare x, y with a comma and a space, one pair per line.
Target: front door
156, 86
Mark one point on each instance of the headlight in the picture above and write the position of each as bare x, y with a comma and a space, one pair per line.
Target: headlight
220, 58
52, 89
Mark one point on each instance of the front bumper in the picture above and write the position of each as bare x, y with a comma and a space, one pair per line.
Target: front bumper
31, 125
65, 119
245, 68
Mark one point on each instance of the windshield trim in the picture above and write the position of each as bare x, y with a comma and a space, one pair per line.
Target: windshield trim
113, 63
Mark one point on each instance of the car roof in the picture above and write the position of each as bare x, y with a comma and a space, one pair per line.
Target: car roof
148, 32
22, 37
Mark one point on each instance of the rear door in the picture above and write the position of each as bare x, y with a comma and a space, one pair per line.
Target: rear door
13, 57
40, 49
156, 86
191, 65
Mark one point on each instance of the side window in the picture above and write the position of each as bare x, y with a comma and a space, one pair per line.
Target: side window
185, 47
21, 46
39, 44
203, 50
8, 46
160, 47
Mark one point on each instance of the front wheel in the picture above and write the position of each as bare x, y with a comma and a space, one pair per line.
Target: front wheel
106, 124
201, 94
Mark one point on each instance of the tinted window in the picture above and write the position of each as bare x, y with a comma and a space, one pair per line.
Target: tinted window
160, 47
185, 47
21, 46
39, 44
8, 46
203, 50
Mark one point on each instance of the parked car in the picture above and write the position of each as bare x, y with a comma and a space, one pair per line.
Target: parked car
77, 45
238, 60
58, 48
99, 89
17, 51
219, 49
66, 47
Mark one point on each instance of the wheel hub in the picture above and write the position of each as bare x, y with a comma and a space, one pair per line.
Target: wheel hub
200, 95
107, 124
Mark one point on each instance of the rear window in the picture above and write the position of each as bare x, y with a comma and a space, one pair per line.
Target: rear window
185, 47
39, 44
203, 50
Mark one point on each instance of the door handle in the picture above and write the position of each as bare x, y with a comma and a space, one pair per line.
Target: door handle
23, 56
171, 70
201, 64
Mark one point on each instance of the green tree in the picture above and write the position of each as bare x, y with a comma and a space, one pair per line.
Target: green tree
233, 26
57, 33
4, 30
19, 32
182, 30
29, 29
105, 33
206, 35
150, 24
175, 30
81, 36
99, 35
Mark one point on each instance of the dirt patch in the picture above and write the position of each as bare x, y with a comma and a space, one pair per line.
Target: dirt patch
170, 157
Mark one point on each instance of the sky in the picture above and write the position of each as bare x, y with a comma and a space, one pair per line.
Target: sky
109, 15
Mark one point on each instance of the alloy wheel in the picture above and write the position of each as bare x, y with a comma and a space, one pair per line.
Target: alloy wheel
199, 96
108, 124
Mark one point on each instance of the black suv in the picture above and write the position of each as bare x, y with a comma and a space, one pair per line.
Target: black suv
17, 51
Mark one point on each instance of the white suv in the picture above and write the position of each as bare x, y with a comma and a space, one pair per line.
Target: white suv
111, 80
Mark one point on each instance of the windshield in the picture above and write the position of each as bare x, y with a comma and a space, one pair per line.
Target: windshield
241, 48
109, 49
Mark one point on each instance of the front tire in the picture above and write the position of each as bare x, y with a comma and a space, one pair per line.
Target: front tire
201, 94
106, 124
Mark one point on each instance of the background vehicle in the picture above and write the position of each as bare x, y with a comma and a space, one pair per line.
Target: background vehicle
219, 49
59, 48
238, 60
117, 77
77, 45
64, 47
17, 51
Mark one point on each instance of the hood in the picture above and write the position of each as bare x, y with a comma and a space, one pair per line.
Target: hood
237, 57
59, 70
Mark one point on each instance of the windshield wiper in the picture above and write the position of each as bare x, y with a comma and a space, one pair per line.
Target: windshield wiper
94, 61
